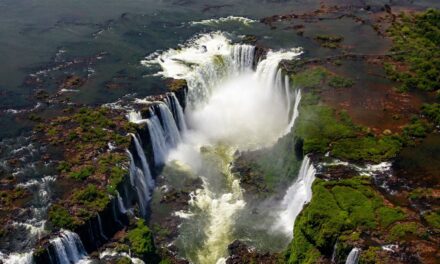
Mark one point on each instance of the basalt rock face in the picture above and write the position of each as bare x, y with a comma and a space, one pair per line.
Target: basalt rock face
99, 229
259, 55
241, 253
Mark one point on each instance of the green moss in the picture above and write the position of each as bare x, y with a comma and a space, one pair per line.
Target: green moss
82, 173
416, 39
91, 198
367, 148
340, 82
309, 78
416, 128
60, 217
432, 112
141, 239
388, 215
319, 126
370, 256
433, 219
400, 230
339, 211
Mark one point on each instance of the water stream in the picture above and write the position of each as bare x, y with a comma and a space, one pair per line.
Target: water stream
230, 107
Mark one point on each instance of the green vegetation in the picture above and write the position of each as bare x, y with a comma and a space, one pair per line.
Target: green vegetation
417, 128
340, 82
141, 240
338, 207
323, 129
60, 217
432, 112
433, 219
400, 230
329, 41
82, 173
91, 198
416, 39
369, 148
7, 197
389, 215
370, 256
310, 78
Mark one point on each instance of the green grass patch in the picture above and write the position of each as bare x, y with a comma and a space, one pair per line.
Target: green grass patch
310, 78
368, 148
432, 112
340, 82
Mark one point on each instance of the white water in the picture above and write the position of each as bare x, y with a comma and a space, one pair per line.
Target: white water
230, 107
17, 258
171, 132
157, 139
101, 232
217, 21
121, 205
296, 197
137, 180
68, 248
145, 167
177, 110
353, 256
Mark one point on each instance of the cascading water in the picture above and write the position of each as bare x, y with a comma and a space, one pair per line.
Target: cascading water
145, 167
17, 258
137, 180
68, 248
171, 132
157, 139
101, 231
121, 205
353, 256
230, 107
177, 110
296, 197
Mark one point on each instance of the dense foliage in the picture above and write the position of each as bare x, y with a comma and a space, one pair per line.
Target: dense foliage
338, 213
416, 41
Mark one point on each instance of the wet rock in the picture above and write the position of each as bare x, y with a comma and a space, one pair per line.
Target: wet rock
240, 253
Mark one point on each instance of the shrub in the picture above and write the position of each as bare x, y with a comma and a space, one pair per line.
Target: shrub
400, 230
433, 219
59, 217
141, 239
82, 173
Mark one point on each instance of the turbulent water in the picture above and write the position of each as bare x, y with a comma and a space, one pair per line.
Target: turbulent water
231, 107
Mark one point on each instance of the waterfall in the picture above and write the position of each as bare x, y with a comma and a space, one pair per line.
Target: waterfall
134, 116
295, 113
243, 56
145, 166
157, 139
296, 197
68, 247
121, 205
230, 107
171, 133
101, 232
177, 110
353, 256
203, 62
137, 180
17, 258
